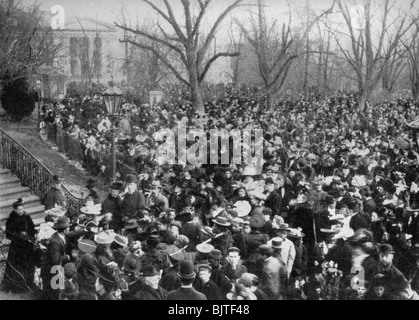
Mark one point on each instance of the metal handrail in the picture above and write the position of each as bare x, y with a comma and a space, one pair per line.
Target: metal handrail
30, 171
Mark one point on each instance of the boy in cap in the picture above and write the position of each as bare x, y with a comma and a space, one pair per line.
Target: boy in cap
234, 268
204, 284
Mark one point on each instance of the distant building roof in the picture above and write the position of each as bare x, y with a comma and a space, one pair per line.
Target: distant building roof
87, 24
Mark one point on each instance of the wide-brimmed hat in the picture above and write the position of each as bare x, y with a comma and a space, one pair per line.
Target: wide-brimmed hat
121, 240
86, 246
275, 243
329, 230
131, 224
204, 247
131, 178
150, 271
207, 231
62, 223
93, 210
156, 184
132, 263
222, 221
175, 253
103, 238
186, 270
181, 241
243, 208
284, 227
296, 233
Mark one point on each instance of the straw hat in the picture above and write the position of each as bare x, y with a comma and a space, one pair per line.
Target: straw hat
103, 238
93, 210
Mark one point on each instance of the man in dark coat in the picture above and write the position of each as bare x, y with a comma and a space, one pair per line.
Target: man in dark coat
186, 291
413, 223
252, 241
273, 199
358, 220
55, 195
151, 289
56, 255
133, 201
112, 204
234, 269
205, 285
92, 185
217, 274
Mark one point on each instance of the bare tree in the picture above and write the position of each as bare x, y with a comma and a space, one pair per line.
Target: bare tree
326, 61
368, 59
26, 42
274, 50
188, 42
412, 48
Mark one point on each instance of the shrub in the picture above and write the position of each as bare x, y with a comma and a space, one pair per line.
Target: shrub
17, 99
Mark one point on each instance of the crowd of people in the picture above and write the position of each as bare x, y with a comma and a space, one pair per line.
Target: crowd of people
332, 216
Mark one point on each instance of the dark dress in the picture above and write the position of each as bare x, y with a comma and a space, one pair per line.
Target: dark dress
20, 266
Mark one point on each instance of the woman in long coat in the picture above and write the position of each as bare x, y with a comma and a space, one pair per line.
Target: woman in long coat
20, 268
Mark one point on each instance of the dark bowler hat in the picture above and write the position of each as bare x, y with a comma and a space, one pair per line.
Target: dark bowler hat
131, 178
62, 223
186, 270
150, 271
116, 186
385, 249
131, 224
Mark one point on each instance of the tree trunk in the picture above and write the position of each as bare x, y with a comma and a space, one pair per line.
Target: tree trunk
362, 99
196, 97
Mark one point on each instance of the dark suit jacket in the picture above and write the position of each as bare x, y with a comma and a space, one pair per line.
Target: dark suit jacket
210, 289
148, 293
273, 202
132, 203
413, 229
231, 274
185, 294
56, 254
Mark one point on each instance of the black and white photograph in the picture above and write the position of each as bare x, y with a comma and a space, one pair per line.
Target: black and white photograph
222, 150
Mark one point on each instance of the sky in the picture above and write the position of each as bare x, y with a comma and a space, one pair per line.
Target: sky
110, 10
107, 10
